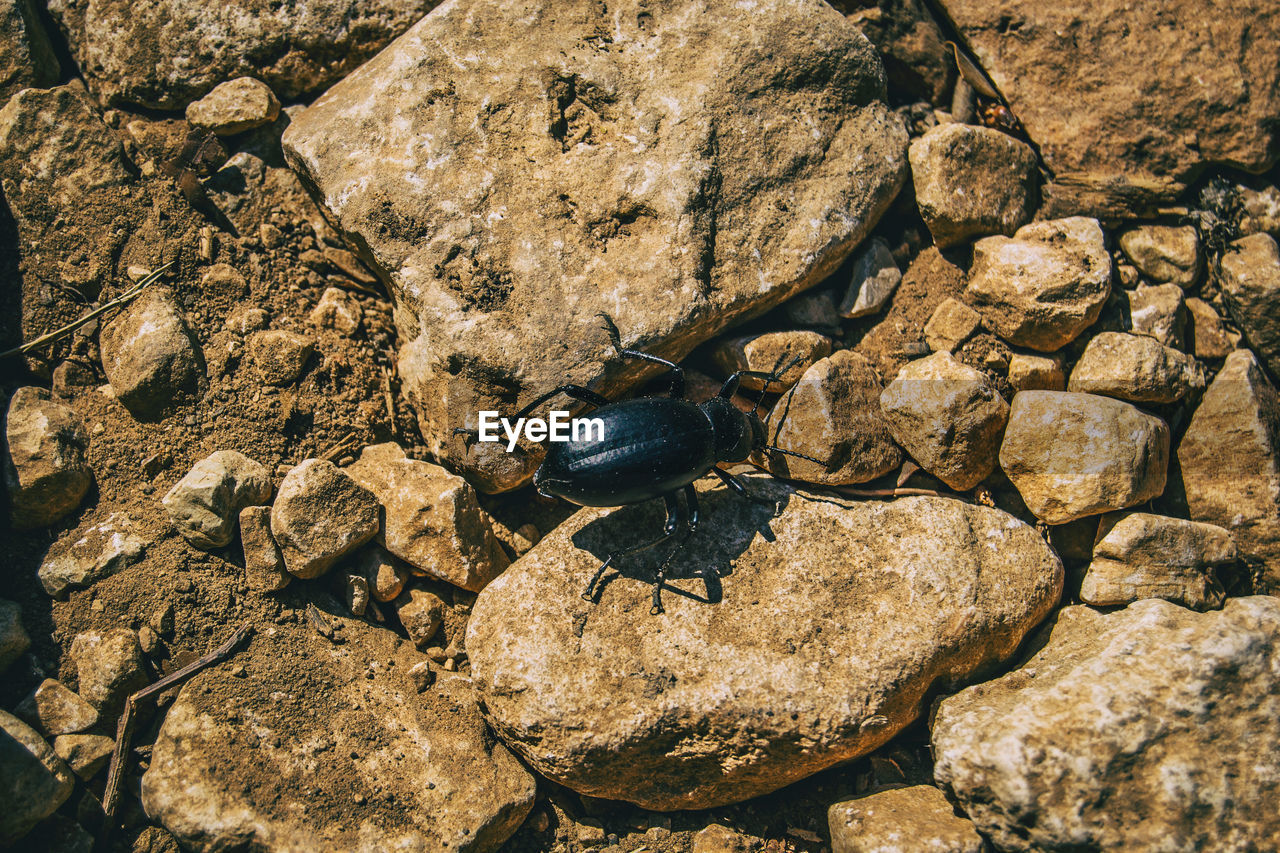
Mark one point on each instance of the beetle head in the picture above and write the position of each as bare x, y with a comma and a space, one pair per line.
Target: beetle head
738, 433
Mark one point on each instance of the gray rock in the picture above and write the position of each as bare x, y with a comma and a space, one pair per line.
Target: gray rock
562, 180
170, 53
13, 637
381, 767
1165, 253
820, 645
766, 351
1135, 368
875, 277
45, 470
950, 325
1249, 277
279, 355
90, 553
84, 754
110, 667
54, 710
972, 181
150, 355
948, 416
1150, 729
26, 59
813, 310
33, 780
833, 414
1074, 455
1043, 286
205, 504
1230, 461
263, 563
320, 514
234, 107
1139, 555
901, 820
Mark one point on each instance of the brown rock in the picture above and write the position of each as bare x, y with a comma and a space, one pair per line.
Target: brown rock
1208, 337
26, 59
84, 754
204, 505
901, 820
1136, 368
421, 613
771, 350
13, 637
1036, 373
1165, 253
951, 324
110, 667
45, 470
234, 107
385, 573
33, 780
279, 356
320, 514
150, 355
263, 564
874, 279
1249, 277
337, 310
55, 710
1155, 312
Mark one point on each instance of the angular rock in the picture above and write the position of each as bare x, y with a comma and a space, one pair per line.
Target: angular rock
718, 838
772, 349
385, 573
1135, 368
263, 563
150, 355
1152, 728
234, 107
343, 753
1155, 312
26, 59
1043, 286
875, 277
1261, 210
916, 59
1208, 336
901, 820
1230, 461
1070, 70
948, 416
54, 710
90, 553
833, 414
226, 281
715, 161
1036, 373
168, 54
421, 613
320, 514
951, 324
110, 667
1139, 555
1249, 277
799, 661
1165, 253
13, 637
813, 310
45, 471
1074, 455
972, 181
279, 355
432, 518
84, 754
205, 504
337, 310
33, 780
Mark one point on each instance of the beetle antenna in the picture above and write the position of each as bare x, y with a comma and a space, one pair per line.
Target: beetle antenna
615, 337
774, 375
775, 449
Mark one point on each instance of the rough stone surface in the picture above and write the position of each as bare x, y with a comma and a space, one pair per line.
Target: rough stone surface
421, 614
1249, 278
1045, 285
432, 519
150, 356
819, 646
875, 277
951, 324
109, 664
833, 414
54, 710
772, 349
320, 514
45, 470
813, 310
385, 573
84, 754
1036, 373
1139, 555
1153, 311
263, 563
279, 355
90, 553
26, 59
1165, 253
1148, 729
1208, 336
249, 763
715, 160
972, 181
337, 310
33, 780
13, 637
1070, 71
1230, 461
718, 838
917, 819
166, 54
948, 416
205, 504
1261, 209
1074, 455
1136, 368
234, 107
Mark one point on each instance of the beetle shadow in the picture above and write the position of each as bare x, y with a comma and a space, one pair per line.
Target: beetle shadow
728, 525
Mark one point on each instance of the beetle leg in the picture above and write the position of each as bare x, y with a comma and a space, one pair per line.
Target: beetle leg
690, 525
677, 374
577, 392
675, 519
738, 486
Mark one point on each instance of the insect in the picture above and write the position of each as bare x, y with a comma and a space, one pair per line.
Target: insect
654, 447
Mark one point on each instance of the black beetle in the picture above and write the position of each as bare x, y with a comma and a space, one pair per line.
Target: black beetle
653, 447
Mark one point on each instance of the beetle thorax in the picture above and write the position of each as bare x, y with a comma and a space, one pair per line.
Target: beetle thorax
737, 433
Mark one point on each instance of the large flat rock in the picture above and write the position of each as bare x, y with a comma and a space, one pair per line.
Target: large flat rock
679, 165
825, 629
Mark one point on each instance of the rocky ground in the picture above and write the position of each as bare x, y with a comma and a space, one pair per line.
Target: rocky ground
259, 261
